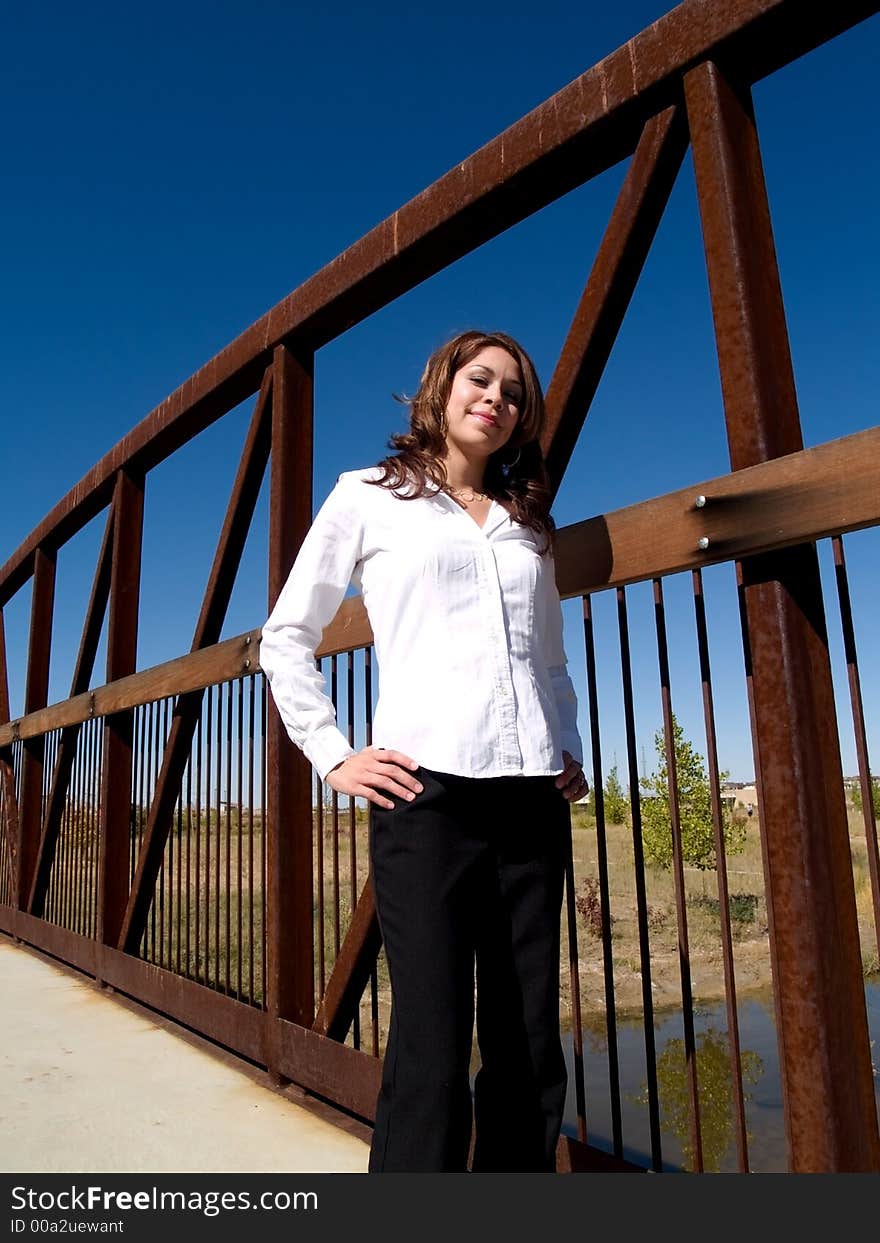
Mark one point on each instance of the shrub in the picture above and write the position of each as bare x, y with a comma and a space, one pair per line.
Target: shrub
589, 906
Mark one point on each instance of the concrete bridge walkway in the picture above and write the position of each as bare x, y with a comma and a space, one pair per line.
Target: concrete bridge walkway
96, 1083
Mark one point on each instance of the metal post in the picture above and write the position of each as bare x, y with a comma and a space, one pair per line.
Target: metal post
35, 696
10, 826
128, 502
290, 937
820, 1005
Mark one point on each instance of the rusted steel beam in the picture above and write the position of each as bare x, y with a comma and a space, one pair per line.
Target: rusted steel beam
351, 971
7, 773
230, 659
588, 126
290, 987
82, 674
346, 1076
115, 816
802, 496
608, 292
828, 1091
187, 711
35, 696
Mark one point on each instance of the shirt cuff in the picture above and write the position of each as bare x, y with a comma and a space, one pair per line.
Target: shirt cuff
326, 748
571, 742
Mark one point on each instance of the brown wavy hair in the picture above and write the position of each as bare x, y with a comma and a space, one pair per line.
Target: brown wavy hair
515, 475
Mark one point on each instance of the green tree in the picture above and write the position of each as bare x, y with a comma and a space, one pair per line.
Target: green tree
695, 809
616, 801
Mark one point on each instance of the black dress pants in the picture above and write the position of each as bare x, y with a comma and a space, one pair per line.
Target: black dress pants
470, 875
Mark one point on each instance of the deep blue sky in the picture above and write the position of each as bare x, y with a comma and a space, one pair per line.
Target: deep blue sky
173, 171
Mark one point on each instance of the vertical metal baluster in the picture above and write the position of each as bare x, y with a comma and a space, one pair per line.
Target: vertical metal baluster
173, 852
179, 887
604, 886
82, 854
866, 783
71, 862
5, 888
137, 728
209, 736
239, 803
319, 874
721, 868
189, 865
135, 782
85, 837
252, 689
68, 836
60, 849
160, 880
51, 906
161, 738
96, 822
264, 691
142, 794
684, 957
227, 686
198, 870
46, 774
99, 730
352, 830
86, 853
75, 831
641, 896
368, 736
219, 842
67, 832
85, 811
334, 678
152, 731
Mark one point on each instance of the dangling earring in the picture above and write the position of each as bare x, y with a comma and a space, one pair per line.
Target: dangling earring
507, 467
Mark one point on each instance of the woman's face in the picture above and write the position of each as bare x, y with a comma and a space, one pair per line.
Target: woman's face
484, 403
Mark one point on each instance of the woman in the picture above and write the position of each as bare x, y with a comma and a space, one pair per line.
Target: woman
475, 754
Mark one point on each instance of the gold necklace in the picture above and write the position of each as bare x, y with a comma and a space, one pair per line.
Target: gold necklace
468, 500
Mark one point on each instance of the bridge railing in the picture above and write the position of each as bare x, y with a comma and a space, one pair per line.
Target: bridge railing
102, 796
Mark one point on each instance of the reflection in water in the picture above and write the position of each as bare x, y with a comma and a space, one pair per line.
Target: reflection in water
768, 1150
715, 1087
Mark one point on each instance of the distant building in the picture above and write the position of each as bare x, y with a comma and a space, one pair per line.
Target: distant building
739, 796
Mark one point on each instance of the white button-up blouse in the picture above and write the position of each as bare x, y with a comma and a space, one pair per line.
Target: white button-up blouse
467, 628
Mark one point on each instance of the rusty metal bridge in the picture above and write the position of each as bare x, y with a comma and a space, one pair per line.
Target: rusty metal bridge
250, 919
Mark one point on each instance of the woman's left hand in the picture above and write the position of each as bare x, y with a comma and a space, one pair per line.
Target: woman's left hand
571, 781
